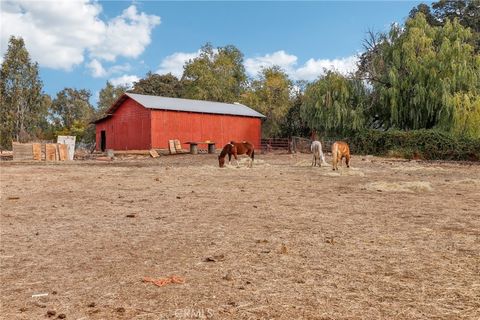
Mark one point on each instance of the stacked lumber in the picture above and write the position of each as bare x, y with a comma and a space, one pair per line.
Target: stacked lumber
22, 151
40, 151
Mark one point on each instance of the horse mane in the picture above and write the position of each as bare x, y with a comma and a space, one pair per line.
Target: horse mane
225, 150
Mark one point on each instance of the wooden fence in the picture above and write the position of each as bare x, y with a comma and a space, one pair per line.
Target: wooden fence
295, 144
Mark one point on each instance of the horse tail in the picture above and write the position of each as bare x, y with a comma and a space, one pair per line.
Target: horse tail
322, 156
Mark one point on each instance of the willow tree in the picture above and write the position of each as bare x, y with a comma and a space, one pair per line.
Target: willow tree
425, 76
335, 105
270, 95
467, 12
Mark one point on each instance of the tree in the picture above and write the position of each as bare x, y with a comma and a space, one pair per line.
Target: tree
293, 124
108, 96
467, 12
335, 105
270, 95
165, 85
71, 113
22, 101
215, 75
424, 76
427, 12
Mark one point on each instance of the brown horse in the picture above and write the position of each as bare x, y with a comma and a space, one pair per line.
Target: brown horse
340, 150
236, 148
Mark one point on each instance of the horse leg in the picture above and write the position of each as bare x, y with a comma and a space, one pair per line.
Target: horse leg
252, 156
229, 158
236, 158
334, 161
347, 160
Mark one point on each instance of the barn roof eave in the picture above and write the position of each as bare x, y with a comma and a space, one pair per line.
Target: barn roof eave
105, 117
223, 114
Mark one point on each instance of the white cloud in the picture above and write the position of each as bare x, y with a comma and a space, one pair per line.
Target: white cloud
126, 35
310, 70
314, 68
174, 63
125, 80
59, 35
280, 58
98, 71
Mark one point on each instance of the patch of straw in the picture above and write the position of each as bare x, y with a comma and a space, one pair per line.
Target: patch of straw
467, 181
408, 186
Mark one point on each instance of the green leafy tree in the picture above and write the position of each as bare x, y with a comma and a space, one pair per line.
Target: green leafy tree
293, 124
71, 113
335, 105
165, 85
215, 75
107, 97
23, 105
467, 12
422, 75
270, 95
427, 12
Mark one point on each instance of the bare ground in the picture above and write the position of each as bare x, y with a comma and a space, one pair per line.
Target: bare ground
384, 239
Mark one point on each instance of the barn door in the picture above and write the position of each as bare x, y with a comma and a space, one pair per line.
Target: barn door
103, 140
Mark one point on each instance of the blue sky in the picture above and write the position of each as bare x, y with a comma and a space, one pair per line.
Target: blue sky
82, 44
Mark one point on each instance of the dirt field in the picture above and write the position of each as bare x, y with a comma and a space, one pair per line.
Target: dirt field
385, 239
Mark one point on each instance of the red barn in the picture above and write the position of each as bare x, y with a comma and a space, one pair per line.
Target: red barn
142, 122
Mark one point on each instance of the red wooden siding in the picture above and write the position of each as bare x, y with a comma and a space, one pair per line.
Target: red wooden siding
189, 126
127, 129
133, 127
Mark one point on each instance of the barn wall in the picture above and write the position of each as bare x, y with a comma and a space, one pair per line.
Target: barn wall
127, 129
188, 126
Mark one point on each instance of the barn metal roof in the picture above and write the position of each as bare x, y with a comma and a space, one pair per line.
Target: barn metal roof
177, 104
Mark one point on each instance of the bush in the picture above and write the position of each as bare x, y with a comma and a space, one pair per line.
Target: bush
423, 144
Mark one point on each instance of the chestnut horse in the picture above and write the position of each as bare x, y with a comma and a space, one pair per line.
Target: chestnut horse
236, 148
340, 150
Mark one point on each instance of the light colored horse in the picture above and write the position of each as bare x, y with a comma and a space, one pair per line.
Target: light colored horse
316, 149
340, 150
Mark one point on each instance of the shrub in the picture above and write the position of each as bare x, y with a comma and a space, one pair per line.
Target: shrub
424, 144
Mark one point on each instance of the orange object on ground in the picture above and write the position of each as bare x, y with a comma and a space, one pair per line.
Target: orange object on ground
164, 281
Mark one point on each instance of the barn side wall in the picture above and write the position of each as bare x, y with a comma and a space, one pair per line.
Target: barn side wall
189, 126
129, 128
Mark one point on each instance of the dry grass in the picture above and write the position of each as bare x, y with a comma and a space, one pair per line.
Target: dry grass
408, 186
282, 240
